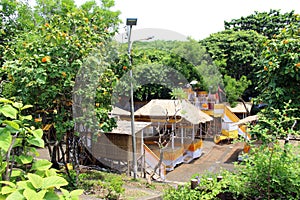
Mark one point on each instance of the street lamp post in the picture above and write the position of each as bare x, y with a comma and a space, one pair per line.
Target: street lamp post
132, 22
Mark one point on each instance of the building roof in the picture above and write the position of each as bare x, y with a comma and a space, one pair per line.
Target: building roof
247, 119
162, 108
119, 111
239, 108
124, 127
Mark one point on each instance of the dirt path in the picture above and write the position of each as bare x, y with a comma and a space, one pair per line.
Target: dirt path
214, 158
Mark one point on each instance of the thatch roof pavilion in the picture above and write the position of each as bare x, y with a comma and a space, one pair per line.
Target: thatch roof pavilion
160, 110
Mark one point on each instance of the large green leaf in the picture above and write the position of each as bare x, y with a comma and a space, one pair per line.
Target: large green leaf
76, 193
3, 167
15, 196
41, 165
54, 181
38, 142
2, 100
16, 173
26, 159
35, 180
5, 139
17, 105
12, 124
31, 194
38, 133
7, 190
51, 196
24, 184
9, 111
51, 172
11, 184
28, 117
26, 106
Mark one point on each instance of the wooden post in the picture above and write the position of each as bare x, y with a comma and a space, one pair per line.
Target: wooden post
194, 183
142, 152
201, 130
219, 178
210, 179
182, 135
193, 133
172, 136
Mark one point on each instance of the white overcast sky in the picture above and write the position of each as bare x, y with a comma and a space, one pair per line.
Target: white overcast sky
195, 18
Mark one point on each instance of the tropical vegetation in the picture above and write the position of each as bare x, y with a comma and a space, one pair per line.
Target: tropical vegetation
61, 72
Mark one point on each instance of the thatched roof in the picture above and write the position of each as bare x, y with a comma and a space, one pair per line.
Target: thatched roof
240, 108
124, 127
162, 108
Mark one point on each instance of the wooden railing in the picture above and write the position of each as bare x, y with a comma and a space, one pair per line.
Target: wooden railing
230, 115
152, 160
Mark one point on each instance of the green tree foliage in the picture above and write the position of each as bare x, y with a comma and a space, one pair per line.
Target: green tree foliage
188, 58
235, 88
265, 23
195, 53
152, 66
235, 54
279, 72
271, 170
42, 63
12, 25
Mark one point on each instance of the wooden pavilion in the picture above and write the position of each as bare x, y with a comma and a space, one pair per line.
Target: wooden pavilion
183, 125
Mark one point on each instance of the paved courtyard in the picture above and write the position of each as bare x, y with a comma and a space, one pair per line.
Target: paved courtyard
214, 158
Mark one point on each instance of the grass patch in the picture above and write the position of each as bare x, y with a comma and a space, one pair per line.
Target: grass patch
116, 186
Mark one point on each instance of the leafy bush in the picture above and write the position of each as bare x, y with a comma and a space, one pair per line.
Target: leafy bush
42, 183
270, 171
22, 176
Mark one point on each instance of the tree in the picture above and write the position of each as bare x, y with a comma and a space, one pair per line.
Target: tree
279, 72
15, 18
235, 54
235, 88
156, 72
265, 23
42, 62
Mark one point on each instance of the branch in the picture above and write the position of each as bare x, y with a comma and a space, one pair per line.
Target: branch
7, 173
244, 103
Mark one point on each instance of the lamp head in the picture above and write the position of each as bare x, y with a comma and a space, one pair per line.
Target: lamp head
131, 21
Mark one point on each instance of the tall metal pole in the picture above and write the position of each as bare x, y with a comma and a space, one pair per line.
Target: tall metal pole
134, 161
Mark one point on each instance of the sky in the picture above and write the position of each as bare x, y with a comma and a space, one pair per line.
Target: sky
194, 18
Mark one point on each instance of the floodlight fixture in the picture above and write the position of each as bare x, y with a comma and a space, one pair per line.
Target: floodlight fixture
131, 21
